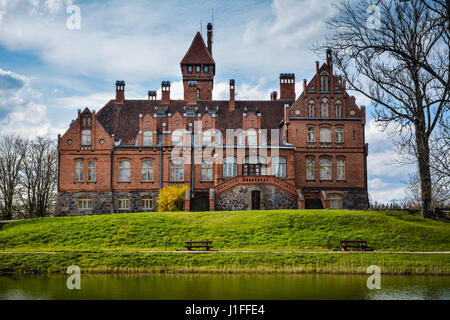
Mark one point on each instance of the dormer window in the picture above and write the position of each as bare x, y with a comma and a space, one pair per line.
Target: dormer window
148, 138
86, 137
189, 68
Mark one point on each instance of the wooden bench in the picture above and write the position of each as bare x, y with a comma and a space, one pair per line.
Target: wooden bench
198, 244
360, 245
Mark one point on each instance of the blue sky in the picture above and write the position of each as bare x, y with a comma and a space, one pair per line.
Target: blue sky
48, 72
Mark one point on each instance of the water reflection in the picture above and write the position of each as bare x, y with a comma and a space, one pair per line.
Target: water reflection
219, 286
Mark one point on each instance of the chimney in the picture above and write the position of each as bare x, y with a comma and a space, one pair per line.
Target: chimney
165, 89
210, 35
286, 122
232, 95
152, 95
120, 92
317, 78
192, 93
273, 96
287, 86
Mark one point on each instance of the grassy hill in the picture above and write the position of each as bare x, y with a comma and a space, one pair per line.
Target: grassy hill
249, 230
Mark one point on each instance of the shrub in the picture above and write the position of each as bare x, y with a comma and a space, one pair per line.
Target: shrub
171, 198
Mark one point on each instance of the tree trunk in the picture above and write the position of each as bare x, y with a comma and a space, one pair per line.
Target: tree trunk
423, 157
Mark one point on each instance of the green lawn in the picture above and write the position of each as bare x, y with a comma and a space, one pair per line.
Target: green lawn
248, 230
429, 264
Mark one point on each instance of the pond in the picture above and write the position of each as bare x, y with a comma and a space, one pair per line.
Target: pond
226, 287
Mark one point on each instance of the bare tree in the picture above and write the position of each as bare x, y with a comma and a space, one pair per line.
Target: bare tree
12, 154
39, 178
400, 62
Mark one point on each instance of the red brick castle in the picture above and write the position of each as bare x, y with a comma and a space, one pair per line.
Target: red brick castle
281, 153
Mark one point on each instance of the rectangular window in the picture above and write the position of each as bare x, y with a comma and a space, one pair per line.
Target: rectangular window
148, 138
79, 168
147, 203
124, 171
206, 69
86, 137
190, 69
310, 174
84, 203
197, 69
325, 169
207, 171
336, 201
147, 171
92, 171
124, 204
341, 169
177, 171
311, 135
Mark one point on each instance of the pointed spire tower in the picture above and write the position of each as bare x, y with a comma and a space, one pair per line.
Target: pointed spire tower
198, 67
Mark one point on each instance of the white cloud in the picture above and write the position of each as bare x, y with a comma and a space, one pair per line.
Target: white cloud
19, 111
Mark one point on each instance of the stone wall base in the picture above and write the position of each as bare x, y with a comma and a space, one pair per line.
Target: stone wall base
240, 198
102, 202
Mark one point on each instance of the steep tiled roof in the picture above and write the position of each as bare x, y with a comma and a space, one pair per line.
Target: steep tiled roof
123, 120
198, 52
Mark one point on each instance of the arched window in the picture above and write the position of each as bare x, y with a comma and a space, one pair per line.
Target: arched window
229, 167
177, 171
325, 108
124, 171
147, 171
311, 135
311, 109
86, 137
325, 169
336, 201
148, 138
207, 171
310, 169
279, 167
255, 166
324, 81
92, 171
325, 135
340, 169
79, 168
147, 203
338, 106
84, 203
339, 135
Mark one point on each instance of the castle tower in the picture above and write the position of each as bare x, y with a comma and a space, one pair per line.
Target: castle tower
198, 65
